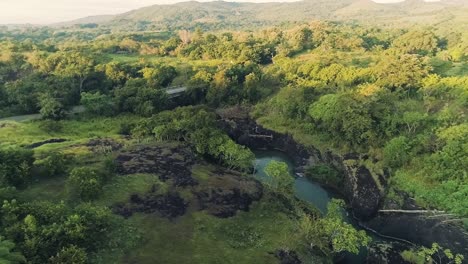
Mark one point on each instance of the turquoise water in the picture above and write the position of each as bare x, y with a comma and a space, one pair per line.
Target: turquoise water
305, 189
309, 191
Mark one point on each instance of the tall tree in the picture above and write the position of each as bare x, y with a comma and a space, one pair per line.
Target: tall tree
280, 178
74, 64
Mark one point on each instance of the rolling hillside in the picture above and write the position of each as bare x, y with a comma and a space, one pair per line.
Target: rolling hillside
222, 15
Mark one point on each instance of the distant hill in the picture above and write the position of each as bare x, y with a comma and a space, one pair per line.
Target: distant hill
222, 15
86, 20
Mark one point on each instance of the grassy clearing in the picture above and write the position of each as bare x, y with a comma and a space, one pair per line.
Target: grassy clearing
202, 172
249, 237
76, 131
162, 241
121, 187
52, 190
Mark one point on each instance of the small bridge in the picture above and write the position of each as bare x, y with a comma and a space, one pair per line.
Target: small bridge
175, 91
258, 134
261, 136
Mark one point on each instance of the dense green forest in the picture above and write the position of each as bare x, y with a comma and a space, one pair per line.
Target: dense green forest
100, 163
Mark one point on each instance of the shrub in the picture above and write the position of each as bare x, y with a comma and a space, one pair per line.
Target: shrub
396, 152
51, 108
15, 166
70, 254
98, 104
52, 165
86, 183
241, 236
324, 174
51, 126
126, 128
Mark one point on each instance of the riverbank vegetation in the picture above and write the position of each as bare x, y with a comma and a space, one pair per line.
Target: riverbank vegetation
143, 174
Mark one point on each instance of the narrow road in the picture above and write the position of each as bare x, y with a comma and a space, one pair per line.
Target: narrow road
21, 118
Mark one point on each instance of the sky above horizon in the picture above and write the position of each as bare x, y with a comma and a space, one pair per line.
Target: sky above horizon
52, 11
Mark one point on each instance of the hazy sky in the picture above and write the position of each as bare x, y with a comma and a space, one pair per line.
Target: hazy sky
50, 11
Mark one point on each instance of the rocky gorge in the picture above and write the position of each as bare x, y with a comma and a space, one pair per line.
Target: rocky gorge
364, 191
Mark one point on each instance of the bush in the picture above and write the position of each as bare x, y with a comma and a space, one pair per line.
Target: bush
413, 257
15, 166
51, 108
126, 128
396, 152
435, 254
86, 183
8, 255
51, 126
324, 174
52, 165
98, 104
47, 232
70, 254
110, 164
241, 236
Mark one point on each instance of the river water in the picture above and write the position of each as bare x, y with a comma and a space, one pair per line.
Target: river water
304, 188
309, 191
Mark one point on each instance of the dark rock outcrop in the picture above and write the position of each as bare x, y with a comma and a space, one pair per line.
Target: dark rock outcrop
45, 142
226, 193
222, 194
361, 189
421, 229
99, 145
169, 162
248, 133
168, 205
287, 257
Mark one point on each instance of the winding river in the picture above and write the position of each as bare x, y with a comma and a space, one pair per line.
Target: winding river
309, 191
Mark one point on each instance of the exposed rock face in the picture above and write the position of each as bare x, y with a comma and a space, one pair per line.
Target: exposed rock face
226, 193
422, 230
103, 145
386, 253
169, 162
169, 205
248, 133
361, 190
287, 257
